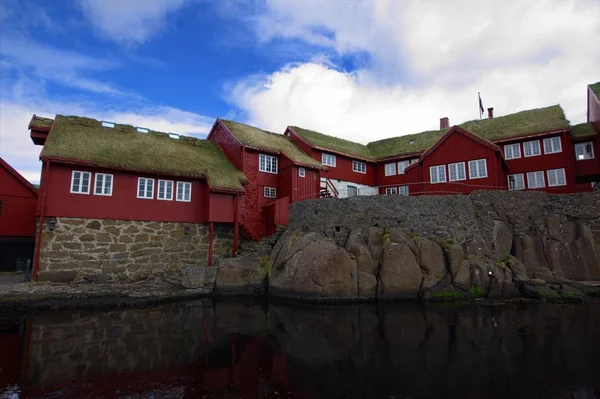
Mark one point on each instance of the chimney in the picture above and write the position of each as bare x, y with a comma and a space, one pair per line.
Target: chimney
490, 113
444, 123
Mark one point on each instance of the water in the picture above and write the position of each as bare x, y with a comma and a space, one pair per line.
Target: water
232, 349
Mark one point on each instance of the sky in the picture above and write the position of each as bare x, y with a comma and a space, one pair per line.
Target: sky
357, 69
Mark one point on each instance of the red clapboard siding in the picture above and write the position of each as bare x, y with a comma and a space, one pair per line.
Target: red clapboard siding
222, 208
230, 146
343, 169
19, 203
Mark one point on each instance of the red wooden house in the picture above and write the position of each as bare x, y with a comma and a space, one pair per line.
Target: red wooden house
18, 200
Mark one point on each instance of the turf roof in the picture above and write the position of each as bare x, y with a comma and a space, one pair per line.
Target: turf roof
334, 143
271, 142
40, 122
596, 89
583, 130
123, 147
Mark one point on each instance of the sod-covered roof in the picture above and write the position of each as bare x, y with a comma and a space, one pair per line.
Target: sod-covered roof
583, 130
40, 122
334, 143
271, 142
123, 147
596, 89
408, 144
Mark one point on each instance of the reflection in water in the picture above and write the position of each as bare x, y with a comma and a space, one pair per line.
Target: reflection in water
232, 349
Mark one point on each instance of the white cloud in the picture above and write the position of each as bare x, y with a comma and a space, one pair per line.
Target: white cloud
428, 59
130, 22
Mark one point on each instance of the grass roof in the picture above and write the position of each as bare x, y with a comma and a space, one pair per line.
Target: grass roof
40, 122
583, 130
408, 144
123, 147
596, 89
271, 142
334, 143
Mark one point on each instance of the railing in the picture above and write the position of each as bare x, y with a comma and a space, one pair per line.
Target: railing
328, 190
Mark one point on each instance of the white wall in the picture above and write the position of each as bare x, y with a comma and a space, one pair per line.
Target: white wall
342, 187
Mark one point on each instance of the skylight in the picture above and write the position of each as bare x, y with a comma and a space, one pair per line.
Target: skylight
142, 130
174, 136
109, 125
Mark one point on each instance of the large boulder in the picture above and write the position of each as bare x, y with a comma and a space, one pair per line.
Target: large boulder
431, 261
503, 240
399, 275
366, 267
530, 251
242, 276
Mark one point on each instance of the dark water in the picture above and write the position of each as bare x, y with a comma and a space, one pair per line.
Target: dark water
230, 349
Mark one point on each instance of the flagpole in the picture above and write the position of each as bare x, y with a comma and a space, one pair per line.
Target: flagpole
479, 104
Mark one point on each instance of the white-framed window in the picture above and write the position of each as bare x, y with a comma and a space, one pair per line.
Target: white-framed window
552, 145
390, 169
184, 191
532, 148
584, 151
359, 167
402, 165
301, 172
403, 190
512, 151
270, 192
103, 184
267, 163
535, 180
391, 190
456, 171
145, 188
328, 160
165, 190
414, 160
437, 174
477, 169
516, 182
556, 177
80, 182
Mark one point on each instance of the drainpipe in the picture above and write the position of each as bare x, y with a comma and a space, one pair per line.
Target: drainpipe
210, 243
236, 225
38, 239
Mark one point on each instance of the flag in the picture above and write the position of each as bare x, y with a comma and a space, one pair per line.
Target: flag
480, 106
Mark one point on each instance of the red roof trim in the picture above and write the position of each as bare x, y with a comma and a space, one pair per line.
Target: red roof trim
16, 174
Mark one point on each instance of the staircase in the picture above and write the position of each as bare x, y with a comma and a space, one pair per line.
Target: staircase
327, 189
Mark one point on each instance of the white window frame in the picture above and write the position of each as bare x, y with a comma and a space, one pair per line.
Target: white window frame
328, 160
268, 164
513, 154
391, 190
477, 169
359, 167
301, 172
556, 176
414, 160
455, 165
530, 143
184, 184
80, 186
535, 173
515, 188
584, 153
164, 197
550, 143
402, 165
390, 166
103, 177
270, 192
437, 168
145, 179
404, 191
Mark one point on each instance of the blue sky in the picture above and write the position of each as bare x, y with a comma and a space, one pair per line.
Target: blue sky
362, 69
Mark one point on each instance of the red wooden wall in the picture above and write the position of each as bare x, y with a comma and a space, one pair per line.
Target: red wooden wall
343, 169
19, 202
231, 147
396, 180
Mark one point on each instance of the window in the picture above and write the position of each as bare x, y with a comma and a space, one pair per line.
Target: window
165, 190
532, 148
301, 172
477, 169
414, 160
535, 180
556, 177
390, 169
516, 182
352, 191
80, 182
267, 163
359, 167
584, 151
145, 188
457, 171
391, 190
402, 165
103, 185
328, 160
403, 191
184, 191
437, 174
512, 151
270, 192
552, 145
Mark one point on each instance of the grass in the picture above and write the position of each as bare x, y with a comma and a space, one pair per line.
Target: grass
596, 89
40, 122
334, 143
123, 147
477, 291
271, 142
408, 144
583, 130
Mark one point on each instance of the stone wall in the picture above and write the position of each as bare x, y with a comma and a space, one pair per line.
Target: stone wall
103, 250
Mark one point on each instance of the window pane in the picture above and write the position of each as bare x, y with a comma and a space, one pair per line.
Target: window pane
85, 182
